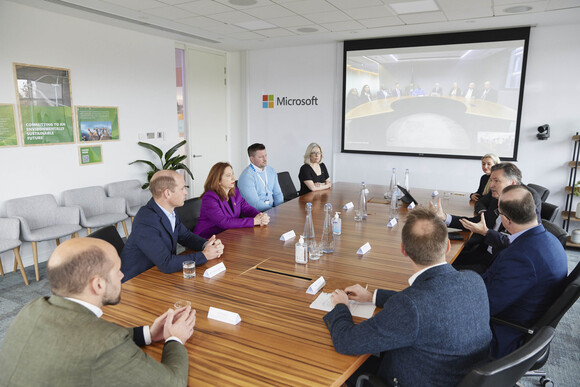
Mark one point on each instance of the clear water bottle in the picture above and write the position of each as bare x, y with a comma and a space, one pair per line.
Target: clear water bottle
327, 236
392, 184
394, 206
362, 200
309, 238
434, 198
406, 183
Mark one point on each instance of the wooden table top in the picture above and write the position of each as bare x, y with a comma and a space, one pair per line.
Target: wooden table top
280, 341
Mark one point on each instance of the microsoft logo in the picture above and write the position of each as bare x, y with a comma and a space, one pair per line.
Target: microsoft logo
268, 101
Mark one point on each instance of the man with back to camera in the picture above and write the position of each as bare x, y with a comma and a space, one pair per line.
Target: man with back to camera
488, 237
528, 275
62, 341
430, 334
258, 182
157, 229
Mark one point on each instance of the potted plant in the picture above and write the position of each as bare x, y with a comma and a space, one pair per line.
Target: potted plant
168, 161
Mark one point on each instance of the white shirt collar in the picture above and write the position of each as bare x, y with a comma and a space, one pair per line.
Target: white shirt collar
417, 274
93, 308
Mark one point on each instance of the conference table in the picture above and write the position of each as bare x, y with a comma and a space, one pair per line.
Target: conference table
280, 340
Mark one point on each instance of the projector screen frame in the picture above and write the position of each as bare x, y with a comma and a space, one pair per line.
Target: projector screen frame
451, 39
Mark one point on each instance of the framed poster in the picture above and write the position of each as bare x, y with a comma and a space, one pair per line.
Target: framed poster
97, 123
90, 154
44, 104
8, 135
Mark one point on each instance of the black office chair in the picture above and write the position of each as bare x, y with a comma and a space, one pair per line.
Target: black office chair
370, 380
287, 186
507, 370
549, 211
551, 318
542, 191
556, 230
111, 235
189, 212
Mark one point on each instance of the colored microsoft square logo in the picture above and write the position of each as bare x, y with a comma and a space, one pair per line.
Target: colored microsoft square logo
268, 101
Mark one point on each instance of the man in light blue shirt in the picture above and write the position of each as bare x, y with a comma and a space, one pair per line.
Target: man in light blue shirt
258, 183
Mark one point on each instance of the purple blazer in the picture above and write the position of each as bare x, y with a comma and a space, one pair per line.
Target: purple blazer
216, 215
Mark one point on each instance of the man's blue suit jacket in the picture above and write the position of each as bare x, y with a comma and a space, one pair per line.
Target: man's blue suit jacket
432, 333
153, 243
522, 282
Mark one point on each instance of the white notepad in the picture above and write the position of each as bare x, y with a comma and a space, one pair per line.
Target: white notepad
358, 309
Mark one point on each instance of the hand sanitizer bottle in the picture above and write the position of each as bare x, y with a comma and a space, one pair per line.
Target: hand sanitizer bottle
336, 224
300, 251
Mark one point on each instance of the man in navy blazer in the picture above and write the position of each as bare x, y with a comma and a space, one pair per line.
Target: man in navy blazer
157, 229
488, 238
527, 276
430, 334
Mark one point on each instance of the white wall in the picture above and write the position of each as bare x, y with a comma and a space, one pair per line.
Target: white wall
551, 96
109, 66
297, 72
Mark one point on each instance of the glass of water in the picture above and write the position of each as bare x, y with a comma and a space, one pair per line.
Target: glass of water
188, 269
315, 251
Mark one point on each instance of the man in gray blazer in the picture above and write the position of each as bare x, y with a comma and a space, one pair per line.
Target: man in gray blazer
430, 334
62, 341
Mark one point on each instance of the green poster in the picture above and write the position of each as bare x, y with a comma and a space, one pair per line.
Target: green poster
90, 154
97, 123
7, 126
44, 101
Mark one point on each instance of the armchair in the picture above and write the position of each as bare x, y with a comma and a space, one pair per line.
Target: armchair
41, 219
135, 197
96, 209
10, 240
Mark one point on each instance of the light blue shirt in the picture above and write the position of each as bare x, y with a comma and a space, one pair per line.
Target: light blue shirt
260, 188
170, 216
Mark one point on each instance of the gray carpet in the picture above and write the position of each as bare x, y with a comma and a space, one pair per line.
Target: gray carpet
563, 366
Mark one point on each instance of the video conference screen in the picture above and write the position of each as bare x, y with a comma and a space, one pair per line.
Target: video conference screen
449, 95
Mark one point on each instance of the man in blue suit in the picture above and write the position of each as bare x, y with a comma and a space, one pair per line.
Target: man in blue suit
527, 276
430, 334
157, 229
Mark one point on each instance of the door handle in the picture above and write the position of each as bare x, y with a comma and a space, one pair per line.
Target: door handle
196, 155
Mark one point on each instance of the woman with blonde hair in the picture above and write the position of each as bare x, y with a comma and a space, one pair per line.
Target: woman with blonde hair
313, 174
487, 161
222, 205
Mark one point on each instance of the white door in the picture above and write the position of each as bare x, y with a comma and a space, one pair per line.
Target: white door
206, 114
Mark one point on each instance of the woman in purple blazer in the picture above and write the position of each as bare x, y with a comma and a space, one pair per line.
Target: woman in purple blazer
222, 205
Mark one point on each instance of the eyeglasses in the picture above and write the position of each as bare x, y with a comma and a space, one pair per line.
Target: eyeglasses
497, 213
316, 153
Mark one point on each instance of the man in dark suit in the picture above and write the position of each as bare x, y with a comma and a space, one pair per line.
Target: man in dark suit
157, 229
62, 341
430, 334
528, 275
488, 94
488, 237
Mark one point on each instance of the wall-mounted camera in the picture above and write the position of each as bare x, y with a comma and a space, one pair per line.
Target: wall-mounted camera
543, 132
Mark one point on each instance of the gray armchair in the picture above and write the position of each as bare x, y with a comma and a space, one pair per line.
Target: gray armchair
96, 209
10, 240
41, 219
135, 197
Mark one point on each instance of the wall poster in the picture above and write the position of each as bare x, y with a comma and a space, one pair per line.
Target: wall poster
8, 135
97, 123
90, 154
44, 104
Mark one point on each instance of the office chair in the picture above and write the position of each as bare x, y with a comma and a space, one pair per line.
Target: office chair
111, 235
549, 211
543, 192
189, 212
507, 370
556, 230
287, 186
551, 318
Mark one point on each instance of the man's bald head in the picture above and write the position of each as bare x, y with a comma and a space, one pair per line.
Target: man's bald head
424, 237
162, 180
73, 263
517, 204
